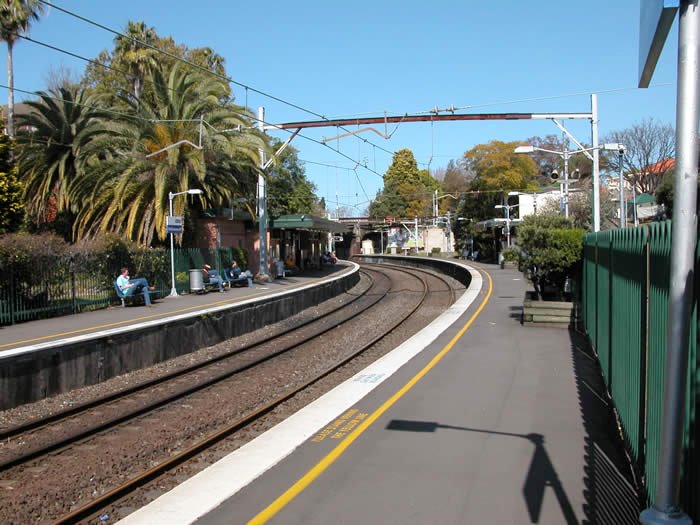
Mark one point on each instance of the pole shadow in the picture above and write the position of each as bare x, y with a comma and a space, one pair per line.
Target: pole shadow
540, 475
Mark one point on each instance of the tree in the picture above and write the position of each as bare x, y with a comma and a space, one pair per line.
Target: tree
137, 160
648, 147
11, 207
497, 170
288, 189
551, 247
407, 190
123, 71
136, 54
48, 156
454, 181
497, 167
548, 162
581, 207
15, 18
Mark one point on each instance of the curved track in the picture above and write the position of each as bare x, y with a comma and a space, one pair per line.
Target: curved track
198, 378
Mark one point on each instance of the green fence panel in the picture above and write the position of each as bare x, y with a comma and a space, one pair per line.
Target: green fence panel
603, 304
588, 289
659, 273
628, 329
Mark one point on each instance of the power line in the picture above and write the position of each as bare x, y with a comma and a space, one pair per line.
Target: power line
197, 66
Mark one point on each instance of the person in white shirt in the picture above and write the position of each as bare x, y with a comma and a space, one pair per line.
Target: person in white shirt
134, 286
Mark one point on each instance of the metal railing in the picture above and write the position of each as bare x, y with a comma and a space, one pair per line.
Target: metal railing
624, 308
66, 284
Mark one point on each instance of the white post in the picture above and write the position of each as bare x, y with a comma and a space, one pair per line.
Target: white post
262, 202
596, 164
623, 208
173, 289
566, 184
416, 235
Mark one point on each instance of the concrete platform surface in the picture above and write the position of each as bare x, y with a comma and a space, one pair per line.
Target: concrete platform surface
488, 422
54, 329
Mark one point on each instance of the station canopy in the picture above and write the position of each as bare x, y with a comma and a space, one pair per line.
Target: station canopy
299, 221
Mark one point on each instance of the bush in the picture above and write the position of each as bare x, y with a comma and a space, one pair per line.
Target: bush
511, 255
551, 250
435, 250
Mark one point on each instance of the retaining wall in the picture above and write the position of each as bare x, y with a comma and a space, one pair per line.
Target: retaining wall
45, 372
448, 267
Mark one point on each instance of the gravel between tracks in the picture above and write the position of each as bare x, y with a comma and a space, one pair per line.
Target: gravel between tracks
38, 492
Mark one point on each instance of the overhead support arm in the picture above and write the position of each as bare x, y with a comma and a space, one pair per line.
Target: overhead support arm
281, 149
573, 139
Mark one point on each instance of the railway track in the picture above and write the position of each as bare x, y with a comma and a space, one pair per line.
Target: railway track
181, 384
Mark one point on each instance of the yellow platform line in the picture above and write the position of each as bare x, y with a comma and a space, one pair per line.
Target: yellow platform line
127, 321
292, 492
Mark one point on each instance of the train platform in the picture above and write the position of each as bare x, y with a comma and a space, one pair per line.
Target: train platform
476, 419
55, 331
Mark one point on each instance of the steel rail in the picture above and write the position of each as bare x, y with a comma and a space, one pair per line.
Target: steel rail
89, 431
94, 507
109, 398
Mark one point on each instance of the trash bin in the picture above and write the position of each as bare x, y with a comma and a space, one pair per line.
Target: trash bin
196, 281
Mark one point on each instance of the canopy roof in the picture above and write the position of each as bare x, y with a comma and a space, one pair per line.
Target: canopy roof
300, 221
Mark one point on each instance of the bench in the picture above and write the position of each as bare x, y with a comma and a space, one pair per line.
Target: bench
133, 298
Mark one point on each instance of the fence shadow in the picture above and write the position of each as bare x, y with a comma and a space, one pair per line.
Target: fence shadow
611, 496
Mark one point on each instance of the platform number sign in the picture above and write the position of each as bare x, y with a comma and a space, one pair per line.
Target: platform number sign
174, 224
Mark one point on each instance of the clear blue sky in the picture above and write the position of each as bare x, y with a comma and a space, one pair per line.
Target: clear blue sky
348, 58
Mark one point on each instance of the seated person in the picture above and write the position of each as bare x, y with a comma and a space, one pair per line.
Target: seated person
131, 287
212, 277
234, 274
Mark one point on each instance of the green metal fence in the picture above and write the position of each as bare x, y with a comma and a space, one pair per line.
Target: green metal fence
625, 308
46, 286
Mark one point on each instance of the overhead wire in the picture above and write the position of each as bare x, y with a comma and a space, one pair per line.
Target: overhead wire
197, 66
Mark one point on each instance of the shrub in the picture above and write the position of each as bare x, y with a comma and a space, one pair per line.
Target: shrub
435, 250
511, 255
551, 250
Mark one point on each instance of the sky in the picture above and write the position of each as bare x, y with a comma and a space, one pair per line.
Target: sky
370, 57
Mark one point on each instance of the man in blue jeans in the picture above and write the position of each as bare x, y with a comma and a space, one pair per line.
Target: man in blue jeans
134, 286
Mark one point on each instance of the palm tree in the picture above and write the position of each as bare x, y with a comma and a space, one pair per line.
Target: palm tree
49, 155
138, 58
135, 162
15, 18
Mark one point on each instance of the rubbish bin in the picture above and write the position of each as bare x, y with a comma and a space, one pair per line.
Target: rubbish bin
196, 281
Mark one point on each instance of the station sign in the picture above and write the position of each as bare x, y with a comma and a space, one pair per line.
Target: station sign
174, 224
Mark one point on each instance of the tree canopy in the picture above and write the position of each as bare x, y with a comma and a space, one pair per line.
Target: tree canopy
407, 190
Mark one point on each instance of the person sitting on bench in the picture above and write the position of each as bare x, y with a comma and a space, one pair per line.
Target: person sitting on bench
132, 287
236, 276
212, 277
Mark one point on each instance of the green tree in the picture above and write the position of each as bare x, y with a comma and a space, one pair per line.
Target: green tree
497, 170
288, 189
124, 70
664, 194
137, 160
407, 190
454, 182
11, 207
551, 248
15, 18
137, 57
61, 122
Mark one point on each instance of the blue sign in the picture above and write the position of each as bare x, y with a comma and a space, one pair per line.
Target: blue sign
174, 224
655, 20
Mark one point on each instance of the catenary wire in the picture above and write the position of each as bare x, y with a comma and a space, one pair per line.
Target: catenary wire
201, 68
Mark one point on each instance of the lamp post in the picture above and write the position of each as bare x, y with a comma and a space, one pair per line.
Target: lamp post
507, 208
171, 195
566, 155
